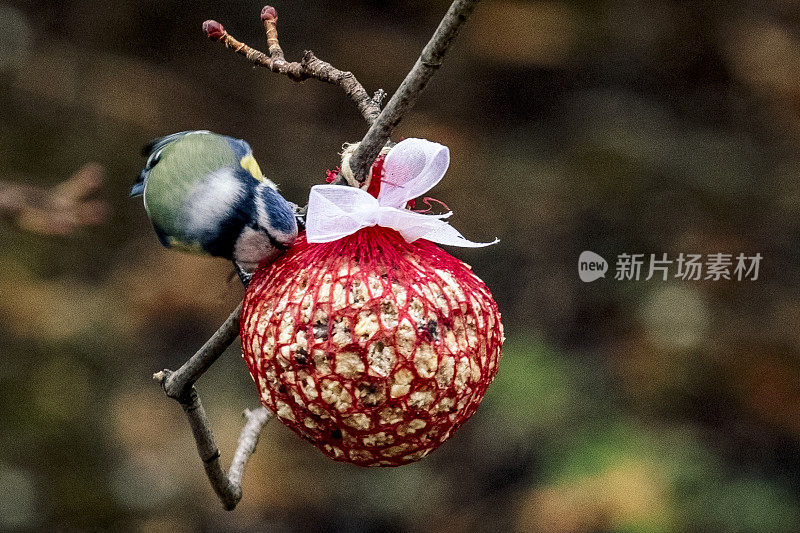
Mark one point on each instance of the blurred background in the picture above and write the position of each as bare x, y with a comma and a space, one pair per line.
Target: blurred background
611, 126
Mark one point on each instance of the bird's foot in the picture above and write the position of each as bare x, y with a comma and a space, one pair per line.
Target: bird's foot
300, 215
245, 277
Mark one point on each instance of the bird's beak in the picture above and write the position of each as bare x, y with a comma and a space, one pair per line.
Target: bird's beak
137, 189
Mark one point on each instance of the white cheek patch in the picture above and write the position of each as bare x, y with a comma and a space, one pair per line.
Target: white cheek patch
215, 198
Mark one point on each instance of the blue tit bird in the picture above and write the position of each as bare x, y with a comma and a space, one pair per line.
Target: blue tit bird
205, 193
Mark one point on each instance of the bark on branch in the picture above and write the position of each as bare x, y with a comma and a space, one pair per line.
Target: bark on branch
414, 83
309, 67
179, 385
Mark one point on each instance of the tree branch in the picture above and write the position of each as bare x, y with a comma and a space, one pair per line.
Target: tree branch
309, 67
228, 487
179, 385
414, 83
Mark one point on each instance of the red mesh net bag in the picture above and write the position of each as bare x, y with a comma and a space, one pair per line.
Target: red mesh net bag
373, 348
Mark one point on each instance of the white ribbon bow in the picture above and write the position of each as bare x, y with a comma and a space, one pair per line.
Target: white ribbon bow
411, 168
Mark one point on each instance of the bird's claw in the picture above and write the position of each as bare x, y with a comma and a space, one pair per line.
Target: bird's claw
245, 277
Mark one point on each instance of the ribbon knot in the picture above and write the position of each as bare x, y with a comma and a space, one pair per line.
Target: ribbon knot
411, 168
380, 216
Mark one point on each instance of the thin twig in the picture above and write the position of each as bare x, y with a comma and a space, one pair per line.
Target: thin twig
269, 16
179, 385
247, 442
309, 67
414, 83
228, 487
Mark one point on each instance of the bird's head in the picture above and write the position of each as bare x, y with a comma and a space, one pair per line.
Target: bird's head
276, 215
